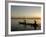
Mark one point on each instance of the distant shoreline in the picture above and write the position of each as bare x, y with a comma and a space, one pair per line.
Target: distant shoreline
25, 18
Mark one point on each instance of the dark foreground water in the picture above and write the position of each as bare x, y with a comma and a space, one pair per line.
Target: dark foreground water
15, 26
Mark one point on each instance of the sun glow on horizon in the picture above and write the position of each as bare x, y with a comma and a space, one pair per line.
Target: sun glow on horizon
25, 11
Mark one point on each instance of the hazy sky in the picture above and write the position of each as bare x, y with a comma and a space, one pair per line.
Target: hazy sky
25, 11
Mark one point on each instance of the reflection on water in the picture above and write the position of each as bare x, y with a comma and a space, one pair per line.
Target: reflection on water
15, 26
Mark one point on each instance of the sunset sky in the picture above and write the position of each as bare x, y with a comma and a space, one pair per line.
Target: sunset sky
25, 11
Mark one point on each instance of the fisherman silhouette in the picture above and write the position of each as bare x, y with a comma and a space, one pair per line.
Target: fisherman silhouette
35, 25
24, 23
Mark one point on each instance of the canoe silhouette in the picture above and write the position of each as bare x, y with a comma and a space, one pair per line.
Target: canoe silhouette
35, 25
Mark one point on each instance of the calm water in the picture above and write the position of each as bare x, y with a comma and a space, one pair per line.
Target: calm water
15, 26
